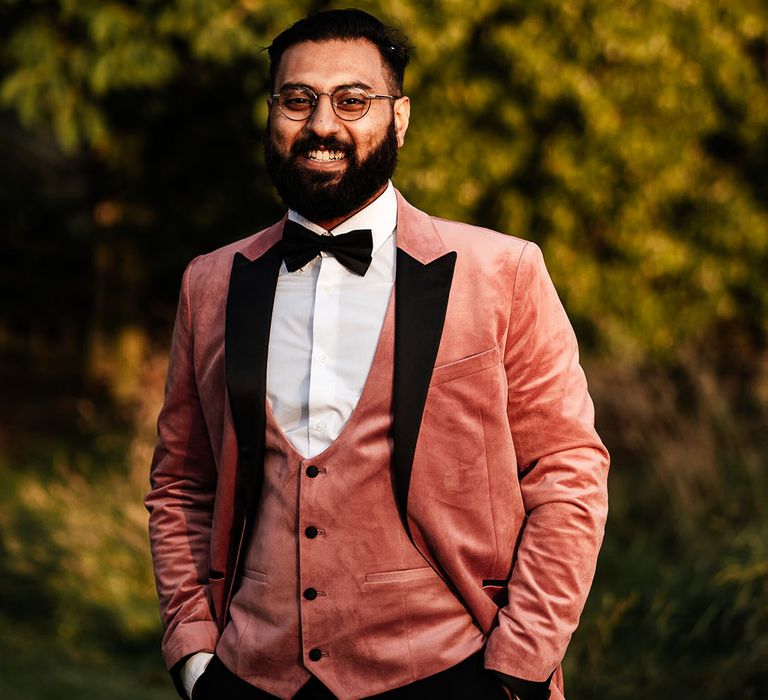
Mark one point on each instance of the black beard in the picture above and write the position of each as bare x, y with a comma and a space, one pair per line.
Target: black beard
315, 195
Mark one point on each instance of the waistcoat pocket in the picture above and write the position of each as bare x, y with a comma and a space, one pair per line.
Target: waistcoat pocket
421, 572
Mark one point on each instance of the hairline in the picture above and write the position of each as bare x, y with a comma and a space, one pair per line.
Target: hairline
390, 78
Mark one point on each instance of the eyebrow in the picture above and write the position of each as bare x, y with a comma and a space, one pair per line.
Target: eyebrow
357, 84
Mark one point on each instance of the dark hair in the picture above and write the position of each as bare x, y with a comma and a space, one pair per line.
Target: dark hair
346, 25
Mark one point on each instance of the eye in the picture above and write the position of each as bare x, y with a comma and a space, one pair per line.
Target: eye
350, 101
296, 100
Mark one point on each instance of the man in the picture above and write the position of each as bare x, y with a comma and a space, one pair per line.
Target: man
377, 473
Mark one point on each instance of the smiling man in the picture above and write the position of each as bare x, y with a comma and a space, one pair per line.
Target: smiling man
376, 473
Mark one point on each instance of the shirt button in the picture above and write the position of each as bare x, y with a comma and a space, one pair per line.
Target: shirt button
323, 357
319, 426
315, 654
311, 532
312, 471
310, 593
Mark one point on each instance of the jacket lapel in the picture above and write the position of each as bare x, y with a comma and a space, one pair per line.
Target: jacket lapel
248, 318
423, 279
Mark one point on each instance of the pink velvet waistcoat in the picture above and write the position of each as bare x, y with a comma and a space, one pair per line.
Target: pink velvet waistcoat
332, 585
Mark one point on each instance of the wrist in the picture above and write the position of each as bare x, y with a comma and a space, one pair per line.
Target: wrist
194, 667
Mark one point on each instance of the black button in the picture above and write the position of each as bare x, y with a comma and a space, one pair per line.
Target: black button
311, 532
312, 471
310, 593
315, 655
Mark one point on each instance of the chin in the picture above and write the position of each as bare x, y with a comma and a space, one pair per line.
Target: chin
314, 179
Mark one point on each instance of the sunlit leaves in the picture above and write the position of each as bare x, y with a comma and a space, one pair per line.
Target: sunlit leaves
628, 139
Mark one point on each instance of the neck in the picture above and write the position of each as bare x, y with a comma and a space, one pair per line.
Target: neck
330, 224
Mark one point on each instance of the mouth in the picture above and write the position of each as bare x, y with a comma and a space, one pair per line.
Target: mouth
323, 156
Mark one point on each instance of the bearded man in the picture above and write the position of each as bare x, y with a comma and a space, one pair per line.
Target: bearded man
376, 473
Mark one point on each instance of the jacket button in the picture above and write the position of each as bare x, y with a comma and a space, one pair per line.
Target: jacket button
311, 532
315, 654
312, 471
310, 593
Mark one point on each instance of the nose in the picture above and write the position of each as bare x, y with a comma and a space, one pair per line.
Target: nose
323, 121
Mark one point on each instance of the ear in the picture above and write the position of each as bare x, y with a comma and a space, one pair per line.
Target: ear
402, 110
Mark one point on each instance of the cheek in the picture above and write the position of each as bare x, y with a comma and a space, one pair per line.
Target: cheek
370, 139
283, 135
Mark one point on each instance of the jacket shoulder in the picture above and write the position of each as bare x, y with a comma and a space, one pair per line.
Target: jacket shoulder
485, 242
223, 255
213, 268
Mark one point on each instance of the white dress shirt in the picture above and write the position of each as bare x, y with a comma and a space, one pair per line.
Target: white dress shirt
326, 323
325, 328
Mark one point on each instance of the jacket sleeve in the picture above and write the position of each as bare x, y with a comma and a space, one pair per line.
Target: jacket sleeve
180, 500
563, 469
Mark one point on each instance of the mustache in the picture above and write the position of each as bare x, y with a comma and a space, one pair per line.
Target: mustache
311, 143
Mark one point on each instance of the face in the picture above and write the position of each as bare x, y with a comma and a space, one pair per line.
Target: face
324, 167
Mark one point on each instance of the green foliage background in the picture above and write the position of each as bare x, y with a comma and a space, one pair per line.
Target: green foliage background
630, 140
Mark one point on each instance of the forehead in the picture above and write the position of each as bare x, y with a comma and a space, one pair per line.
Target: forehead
327, 64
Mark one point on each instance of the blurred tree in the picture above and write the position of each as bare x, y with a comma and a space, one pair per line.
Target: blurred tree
628, 139
145, 154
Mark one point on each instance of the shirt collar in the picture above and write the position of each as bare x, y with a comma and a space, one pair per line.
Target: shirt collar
380, 216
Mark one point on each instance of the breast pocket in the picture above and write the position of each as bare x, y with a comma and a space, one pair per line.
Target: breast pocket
465, 366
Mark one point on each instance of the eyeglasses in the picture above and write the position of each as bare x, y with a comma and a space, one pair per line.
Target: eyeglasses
349, 103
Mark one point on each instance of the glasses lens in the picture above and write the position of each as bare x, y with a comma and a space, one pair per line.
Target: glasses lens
351, 103
296, 103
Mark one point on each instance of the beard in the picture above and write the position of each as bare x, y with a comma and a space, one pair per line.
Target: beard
325, 196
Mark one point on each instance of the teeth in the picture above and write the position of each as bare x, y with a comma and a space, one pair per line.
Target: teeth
325, 156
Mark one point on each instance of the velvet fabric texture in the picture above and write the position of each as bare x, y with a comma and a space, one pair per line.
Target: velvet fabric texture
506, 480
319, 602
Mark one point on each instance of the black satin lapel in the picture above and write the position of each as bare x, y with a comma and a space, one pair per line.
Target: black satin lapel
421, 300
249, 316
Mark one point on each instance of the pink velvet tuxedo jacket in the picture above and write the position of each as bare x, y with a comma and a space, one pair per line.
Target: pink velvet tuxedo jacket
485, 364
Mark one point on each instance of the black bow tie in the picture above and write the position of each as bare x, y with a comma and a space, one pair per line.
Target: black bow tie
353, 249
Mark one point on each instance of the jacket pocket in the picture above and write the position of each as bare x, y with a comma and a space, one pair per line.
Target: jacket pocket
423, 572
465, 366
254, 575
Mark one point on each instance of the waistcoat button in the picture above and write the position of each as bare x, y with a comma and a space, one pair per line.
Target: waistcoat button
312, 471
311, 532
315, 654
310, 593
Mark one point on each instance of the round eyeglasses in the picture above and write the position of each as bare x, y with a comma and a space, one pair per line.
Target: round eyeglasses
349, 103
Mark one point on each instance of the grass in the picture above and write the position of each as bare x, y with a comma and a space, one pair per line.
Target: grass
41, 671
78, 613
